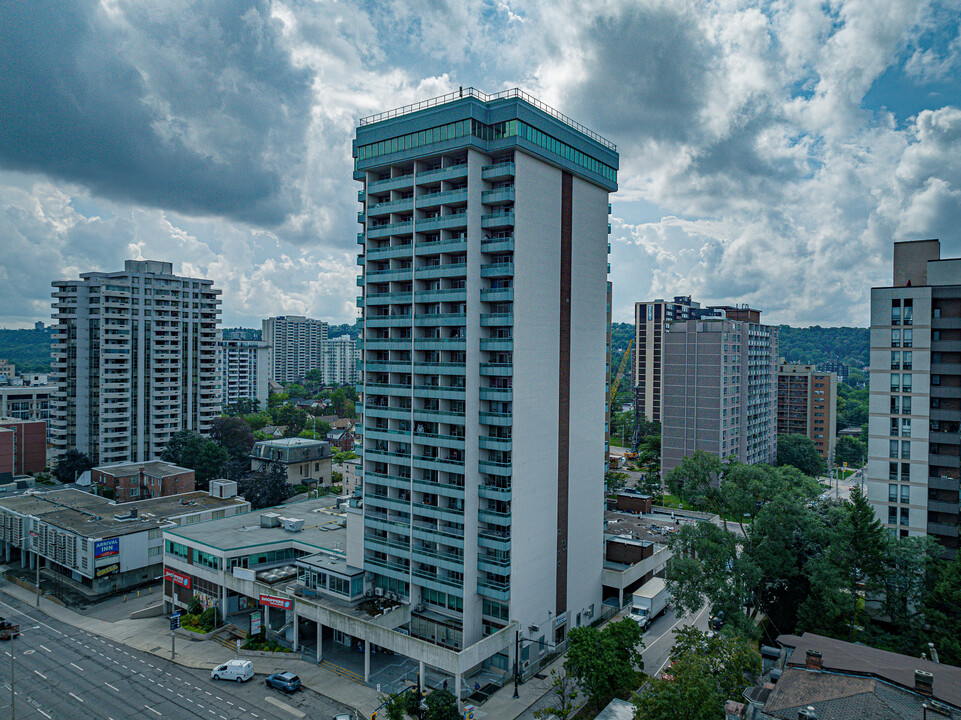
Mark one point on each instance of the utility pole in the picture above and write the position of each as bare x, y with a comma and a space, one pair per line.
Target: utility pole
13, 697
517, 652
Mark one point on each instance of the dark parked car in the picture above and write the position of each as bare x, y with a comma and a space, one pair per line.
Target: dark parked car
286, 681
717, 622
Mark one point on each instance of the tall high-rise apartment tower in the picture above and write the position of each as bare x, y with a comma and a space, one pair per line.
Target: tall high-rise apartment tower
296, 346
243, 368
485, 223
651, 321
340, 360
720, 388
807, 405
915, 400
134, 360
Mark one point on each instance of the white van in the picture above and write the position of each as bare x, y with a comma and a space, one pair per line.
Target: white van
239, 670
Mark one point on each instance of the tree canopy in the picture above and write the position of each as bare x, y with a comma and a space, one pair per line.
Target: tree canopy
189, 449
801, 452
71, 464
604, 662
266, 487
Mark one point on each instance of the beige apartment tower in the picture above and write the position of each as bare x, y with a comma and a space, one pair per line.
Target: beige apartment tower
807, 405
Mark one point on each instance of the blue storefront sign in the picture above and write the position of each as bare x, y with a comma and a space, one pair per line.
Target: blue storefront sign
106, 549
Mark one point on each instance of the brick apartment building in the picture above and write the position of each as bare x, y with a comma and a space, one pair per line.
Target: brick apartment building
140, 481
23, 449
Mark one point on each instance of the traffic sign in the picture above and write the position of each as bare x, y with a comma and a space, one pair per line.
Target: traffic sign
175, 621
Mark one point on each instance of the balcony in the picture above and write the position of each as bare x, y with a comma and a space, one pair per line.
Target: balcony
493, 442
496, 419
498, 220
498, 244
491, 393
497, 344
396, 228
443, 295
497, 270
453, 269
492, 369
442, 222
440, 198
492, 492
942, 529
451, 172
497, 566
499, 171
497, 294
494, 590
498, 196
495, 468
405, 205
494, 539
496, 319
391, 251
401, 181
457, 343
440, 319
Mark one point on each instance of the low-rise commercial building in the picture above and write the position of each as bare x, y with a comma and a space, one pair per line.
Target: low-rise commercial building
99, 545
124, 482
635, 550
307, 462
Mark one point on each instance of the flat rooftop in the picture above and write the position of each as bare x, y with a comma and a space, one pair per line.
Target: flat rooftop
93, 516
154, 468
325, 528
653, 528
294, 442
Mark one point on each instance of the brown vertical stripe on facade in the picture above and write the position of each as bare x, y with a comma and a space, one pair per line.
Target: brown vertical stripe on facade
564, 391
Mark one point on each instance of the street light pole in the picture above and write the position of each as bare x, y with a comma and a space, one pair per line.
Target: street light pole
517, 652
13, 696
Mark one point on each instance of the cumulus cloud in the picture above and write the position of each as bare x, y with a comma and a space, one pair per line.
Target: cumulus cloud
217, 134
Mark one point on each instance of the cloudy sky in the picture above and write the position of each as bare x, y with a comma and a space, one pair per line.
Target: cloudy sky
770, 151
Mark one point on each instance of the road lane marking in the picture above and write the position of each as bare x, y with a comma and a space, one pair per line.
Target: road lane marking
112, 687
43, 647
40, 674
77, 666
44, 714
78, 699
154, 711
284, 706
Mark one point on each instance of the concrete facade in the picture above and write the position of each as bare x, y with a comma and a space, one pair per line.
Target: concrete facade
134, 361
915, 395
807, 405
341, 358
244, 367
484, 269
296, 346
720, 391
27, 402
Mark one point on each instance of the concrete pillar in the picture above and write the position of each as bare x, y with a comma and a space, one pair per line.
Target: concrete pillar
296, 630
267, 619
7, 547
23, 558
33, 560
457, 681
366, 660
223, 600
420, 675
320, 642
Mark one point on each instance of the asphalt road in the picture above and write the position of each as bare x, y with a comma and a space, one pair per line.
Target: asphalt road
62, 673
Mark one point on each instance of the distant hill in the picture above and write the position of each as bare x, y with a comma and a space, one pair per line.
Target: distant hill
345, 329
818, 344
29, 350
242, 333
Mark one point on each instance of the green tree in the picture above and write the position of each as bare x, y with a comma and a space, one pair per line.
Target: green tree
941, 611
705, 671
246, 406
801, 452
189, 449
295, 390
277, 399
233, 434
266, 487
71, 465
603, 662
395, 706
851, 451
697, 478
291, 417
614, 481
441, 705
341, 457
562, 694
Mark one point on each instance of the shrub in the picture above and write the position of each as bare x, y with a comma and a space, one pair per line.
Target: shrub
194, 607
298, 489
209, 619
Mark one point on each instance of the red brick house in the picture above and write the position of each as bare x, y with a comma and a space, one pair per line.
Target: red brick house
29, 445
139, 481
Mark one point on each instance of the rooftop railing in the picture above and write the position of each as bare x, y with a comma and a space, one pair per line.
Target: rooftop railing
485, 97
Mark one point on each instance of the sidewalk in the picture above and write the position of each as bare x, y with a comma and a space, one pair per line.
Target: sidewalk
152, 636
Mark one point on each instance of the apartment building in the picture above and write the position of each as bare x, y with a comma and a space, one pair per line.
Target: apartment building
296, 346
341, 357
915, 394
807, 405
134, 361
484, 267
27, 402
244, 367
125, 482
720, 396
652, 320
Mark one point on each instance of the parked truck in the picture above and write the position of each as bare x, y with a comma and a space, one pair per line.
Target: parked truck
649, 601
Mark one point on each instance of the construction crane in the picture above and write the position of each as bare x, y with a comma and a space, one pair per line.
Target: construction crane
620, 373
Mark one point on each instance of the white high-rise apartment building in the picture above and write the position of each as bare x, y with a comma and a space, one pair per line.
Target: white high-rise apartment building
340, 361
134, 360
485, 224
296, 346
243, 370
915, 401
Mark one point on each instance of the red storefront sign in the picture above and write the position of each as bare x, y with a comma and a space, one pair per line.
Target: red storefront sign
177, 578
275, 602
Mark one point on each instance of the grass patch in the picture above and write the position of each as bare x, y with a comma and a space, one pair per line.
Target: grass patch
260, 644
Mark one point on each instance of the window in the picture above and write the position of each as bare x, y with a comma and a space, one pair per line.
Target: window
905, 472
892, 448
892, 471
935, 379
895, 404
894, 427
905, 494
892, 493
895, 338
895, 360
176, 549
892, 515
206, 560
906, 382
895, 312
906, 405
935, 335
906, 427
936, 312
905, 516
906, 365
906, 449
895, 382
908, 338
908, 315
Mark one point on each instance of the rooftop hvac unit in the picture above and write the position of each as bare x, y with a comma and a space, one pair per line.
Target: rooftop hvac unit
293, 524
269, 520
419, 607
379, 592
223, 489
